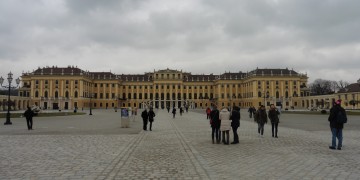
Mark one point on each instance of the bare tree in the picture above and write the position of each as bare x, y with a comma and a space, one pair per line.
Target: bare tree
321, 87
342, 84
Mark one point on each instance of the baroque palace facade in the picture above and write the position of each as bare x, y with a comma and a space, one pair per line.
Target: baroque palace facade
70, 87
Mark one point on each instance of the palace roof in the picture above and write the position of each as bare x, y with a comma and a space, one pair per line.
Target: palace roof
355, 87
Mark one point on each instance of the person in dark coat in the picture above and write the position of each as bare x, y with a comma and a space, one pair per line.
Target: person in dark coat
145, 117
274, 118
336, 127
261, 118
251, 111
151, 117
29, 114
235, 123
181, 111
215, 125
168, 108
174, 112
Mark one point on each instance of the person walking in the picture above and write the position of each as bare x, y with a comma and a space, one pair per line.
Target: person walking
215, 125
29, 114
145, 117
208, 111
274, 118
261, 117
151, 115
252, 111
168, 108
225, 124
337, 118
181, 111
187, 108
235, 123
174, 112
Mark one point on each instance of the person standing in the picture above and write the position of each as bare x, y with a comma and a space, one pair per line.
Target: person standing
261, 117
225, 124
151, 115
145, 117
174, 112
208, 111
235, 123
274, 118
168, 108
215, 125
29, 114
187, 108
337, 118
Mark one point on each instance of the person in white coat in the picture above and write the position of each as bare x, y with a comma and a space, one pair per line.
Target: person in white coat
225, 124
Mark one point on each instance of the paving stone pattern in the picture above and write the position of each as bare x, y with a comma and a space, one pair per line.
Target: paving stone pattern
180, 148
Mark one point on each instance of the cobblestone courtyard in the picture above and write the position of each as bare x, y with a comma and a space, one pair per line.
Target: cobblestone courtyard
83, 147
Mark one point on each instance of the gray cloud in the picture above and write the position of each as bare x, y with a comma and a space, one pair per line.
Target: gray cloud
201, 36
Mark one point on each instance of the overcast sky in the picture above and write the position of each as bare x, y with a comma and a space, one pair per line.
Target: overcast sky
317, 37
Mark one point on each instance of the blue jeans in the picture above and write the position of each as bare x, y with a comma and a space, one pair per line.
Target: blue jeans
336, 133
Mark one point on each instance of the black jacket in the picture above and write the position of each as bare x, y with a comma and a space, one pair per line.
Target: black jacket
214, 118
261, 116
29, 114
332, 117
235, 117
145, 115
151, 115
274, 115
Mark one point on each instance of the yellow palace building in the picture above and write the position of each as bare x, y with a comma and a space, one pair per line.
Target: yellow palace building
70, 87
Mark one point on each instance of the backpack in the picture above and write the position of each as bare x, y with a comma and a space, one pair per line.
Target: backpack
341, 117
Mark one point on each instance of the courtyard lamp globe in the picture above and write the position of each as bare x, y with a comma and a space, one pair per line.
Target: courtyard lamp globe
17, 81
10, 78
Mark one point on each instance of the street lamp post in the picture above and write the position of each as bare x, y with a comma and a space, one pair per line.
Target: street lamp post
10, 78
91, 96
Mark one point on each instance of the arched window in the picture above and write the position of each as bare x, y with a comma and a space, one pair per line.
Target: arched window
286, 94
259, 94
76, 94
295, 94
277, 94
46, 94
56, 94
36, 94
67, 94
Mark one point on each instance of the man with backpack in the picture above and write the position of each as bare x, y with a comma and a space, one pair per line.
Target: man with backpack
337, 118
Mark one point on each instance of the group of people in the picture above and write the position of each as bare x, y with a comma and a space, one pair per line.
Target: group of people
181, 110
261, 118
221, 122
148, 117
